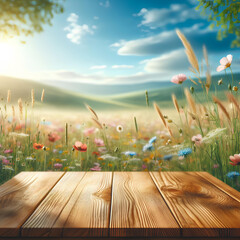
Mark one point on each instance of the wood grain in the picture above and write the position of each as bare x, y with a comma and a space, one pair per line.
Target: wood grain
41, 222
138, 210
221, 185
88, 210
20, 196
200, 208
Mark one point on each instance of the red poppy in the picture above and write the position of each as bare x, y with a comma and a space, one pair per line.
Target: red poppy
38, 146
96, 153
53, 137
82, 147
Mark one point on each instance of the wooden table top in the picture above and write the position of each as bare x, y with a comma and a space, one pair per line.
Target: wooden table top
118, 205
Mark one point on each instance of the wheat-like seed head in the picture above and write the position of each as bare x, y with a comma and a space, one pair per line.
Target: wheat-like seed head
9, 96
160, 114
13, 111
97, 122
232, 99
92, 111
189, 51
190, 100
208, 81
20, 106
33, 97
43, 94
175, 102
221, 106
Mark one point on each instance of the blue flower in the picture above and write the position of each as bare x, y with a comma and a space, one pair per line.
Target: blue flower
168, 157
233, 174
184, 152
60, 151
152, 140
129, 153
148, 147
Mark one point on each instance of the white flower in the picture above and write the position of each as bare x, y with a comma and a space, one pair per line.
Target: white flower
225, 63
119, 128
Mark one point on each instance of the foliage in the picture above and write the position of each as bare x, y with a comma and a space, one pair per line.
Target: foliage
26, 16
224, 14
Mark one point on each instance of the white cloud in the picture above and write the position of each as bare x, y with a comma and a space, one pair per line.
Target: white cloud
160, 17
95, 17
168, 41
98, 67
122, 66
94, 27
174, 61
76, 31
105, 4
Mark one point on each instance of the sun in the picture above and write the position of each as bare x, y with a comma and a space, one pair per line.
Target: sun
7, 53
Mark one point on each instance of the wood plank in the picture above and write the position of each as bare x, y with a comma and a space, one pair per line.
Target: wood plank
200, 208
20, 196
88, 210
138, 210
41, 222
221, 185
114, 238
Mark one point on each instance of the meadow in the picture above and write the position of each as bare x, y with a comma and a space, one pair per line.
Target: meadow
198, 130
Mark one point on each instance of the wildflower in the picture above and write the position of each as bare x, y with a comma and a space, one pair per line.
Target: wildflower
38, 146
229, 87
14, 134
53, 137
168, 157
102, 149
96, 153
8, 151
215, 166
119, 128
235, 159
225, 63
184, 152
109, 157
212, 135
96, 167
89, 131
99, 142
152, 140
5, 161
233, 174
129, 153
179, 79
197, 139
144, 166
82, 147
148, 147
8, 168
30, 158
235, 88
57, 165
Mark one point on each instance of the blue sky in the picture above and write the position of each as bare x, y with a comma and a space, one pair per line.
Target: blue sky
115, 41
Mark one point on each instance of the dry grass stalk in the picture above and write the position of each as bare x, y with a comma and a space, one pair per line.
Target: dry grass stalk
192, 81
13, 112
190, 100
97, 122
92, 111
175, 102
221, 106
205, 54
208, 81
189, 51
20, 106
160, 114
33, 97
43, 94
232, 99
9, 96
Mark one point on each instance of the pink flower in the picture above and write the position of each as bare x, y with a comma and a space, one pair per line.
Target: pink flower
179, 79
89, 131
8, 151
144, 166
225, 63
5, 161
57, 165
197, 139
235, 159
99, 142
215, 165
96, 167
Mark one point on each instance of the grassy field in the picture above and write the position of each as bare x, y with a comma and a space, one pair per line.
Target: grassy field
186, 130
